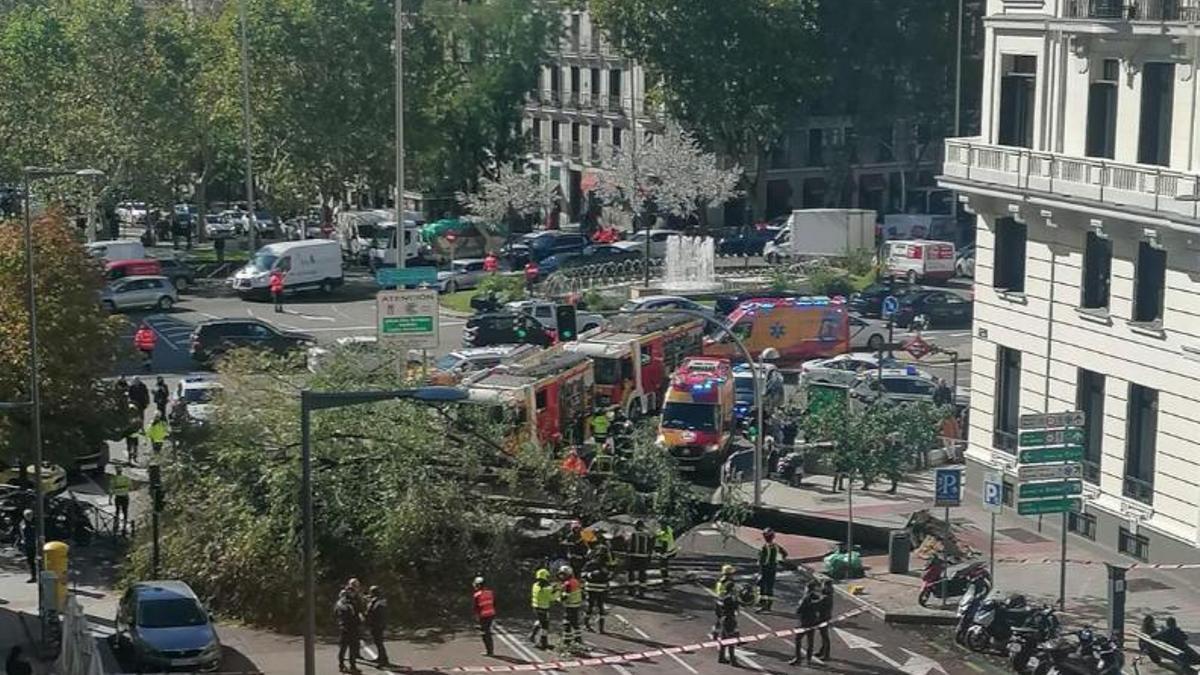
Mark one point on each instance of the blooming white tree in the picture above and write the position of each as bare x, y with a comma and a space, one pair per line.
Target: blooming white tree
672, 176
511, 195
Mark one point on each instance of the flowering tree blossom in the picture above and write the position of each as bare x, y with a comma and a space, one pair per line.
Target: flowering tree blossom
511, 196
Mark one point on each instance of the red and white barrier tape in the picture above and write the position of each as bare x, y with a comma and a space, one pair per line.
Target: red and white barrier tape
1074, 561
640, 656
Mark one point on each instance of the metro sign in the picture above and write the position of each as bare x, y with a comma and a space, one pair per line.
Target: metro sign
918, 348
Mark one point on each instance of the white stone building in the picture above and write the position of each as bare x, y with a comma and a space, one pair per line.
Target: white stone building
1087, 289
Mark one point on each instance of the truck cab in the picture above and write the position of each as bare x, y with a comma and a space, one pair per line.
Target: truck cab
697, 425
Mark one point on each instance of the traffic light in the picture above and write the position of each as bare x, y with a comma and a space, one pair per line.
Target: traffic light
564, 319
519, 326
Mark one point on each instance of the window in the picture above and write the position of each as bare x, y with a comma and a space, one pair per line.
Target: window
555, 83
1089, 398
1097, 271
1140, 437
575, 84
539, 399
616, 137
535, 132
1102, 112
1158, 95
1082, 524
816, 147
1008, 398
1148, 283
1134, 545
614, 88
1006, 494
1008, 266
1018, 91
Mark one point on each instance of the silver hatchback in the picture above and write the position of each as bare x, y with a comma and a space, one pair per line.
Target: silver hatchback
139, 293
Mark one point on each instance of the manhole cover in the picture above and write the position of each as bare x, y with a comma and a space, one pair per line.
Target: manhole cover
1022, 535
1138, 584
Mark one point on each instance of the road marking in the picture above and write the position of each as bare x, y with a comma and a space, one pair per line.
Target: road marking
646, 636
160, 334
310, 317
527, 653
972, 666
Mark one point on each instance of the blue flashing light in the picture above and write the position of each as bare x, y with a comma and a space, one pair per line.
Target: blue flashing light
911, 370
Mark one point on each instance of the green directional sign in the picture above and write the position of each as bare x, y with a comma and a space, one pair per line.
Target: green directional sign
1029, 439
1062, 488
402, 325
1040, 506
1070, 453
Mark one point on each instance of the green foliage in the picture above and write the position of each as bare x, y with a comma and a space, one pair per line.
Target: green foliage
824, 279
78, 344
859, 262
783, 278
506, 287
873, 441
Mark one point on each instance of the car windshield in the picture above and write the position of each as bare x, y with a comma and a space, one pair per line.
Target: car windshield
689, 416
905, 385
264, 261
447, 362
200, 394
170, 613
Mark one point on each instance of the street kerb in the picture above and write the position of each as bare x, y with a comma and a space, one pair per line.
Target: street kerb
636, 656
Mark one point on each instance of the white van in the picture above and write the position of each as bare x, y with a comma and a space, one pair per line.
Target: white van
308, 264
117, 249
384, 254
918, 260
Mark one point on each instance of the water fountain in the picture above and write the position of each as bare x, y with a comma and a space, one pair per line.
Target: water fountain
691, 265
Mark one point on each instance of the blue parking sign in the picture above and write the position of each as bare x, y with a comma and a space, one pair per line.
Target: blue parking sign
890, 306
947, 487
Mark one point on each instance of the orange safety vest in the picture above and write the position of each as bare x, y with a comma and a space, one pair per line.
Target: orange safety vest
144, 339
485, 603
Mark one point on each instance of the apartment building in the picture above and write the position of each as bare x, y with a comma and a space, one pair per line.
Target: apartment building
1085, 182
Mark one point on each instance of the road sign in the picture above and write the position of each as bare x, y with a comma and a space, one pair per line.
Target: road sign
947, 487
993, 492
918, 348
889, 307
1070, 453
1028, 439
393, 277
1061, 488
1074, 418
1041, 506
408, 318
1031, 472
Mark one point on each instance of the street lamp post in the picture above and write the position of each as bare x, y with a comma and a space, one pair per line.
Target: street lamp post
251, 224
322, 400
401, 251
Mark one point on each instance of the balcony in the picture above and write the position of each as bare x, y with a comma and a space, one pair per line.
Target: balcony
1136, 488
1185, 11
1103, 182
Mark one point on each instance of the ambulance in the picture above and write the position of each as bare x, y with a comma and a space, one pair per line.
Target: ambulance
697, 425
800, 329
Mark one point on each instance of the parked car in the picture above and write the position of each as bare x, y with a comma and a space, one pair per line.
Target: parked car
552, 242
964, 263
942, 309
544, 312
664, 302
867, 334
138, 293
743, 388
899, 385
869, 301
212, 339
178, 271
218, 226
451, 368
553, 263
841, 370
117, 249
198, 394
131, 212
746, 241
161, 625
54, 477
658, 241
463, 274
505, 328
120, 269
779, 249
620, 251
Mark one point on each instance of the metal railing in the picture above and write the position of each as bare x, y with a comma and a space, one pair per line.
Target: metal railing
1184, 11
1005, 441
1157, 189
1136, 488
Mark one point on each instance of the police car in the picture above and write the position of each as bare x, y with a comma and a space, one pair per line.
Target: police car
743, 383
894, 385
841, 370
198, 394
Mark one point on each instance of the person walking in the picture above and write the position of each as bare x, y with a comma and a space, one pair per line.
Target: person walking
541, 597
120, 486
769, 557
139, 395
807, 612
570, 593
664, 546
824, 616
641, 544
133, 429
162, 395
376, 619
531, 277
276, 287
596, 579
143, 341
157, 432
27, 532
347, 617
483, 601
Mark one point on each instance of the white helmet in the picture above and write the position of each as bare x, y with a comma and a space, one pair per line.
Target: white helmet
566, 571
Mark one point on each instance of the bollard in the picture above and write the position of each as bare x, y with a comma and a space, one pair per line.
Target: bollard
55, 555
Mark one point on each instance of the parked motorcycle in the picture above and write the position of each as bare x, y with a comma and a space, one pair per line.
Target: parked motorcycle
932, 586
968, 605
994, 622
1042, 625
1163, 649
790, 468
1088, 654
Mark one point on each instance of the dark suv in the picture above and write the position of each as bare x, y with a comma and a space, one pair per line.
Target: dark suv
212, 339
179, 272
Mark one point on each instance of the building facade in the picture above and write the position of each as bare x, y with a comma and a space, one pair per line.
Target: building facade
1084, 182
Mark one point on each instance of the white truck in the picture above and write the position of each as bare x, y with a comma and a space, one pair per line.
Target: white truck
823, 232
309, 264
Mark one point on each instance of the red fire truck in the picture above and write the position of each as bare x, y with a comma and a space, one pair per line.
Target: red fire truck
547, 396
658, 343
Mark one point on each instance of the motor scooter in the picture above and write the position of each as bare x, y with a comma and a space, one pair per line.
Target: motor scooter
932, 586
1042, 625
994, 622
1089, 654
967, 606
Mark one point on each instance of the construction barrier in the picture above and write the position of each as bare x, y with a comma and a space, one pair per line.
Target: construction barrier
1098, 563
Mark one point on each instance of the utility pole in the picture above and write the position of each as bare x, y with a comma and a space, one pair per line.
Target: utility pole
245, 46
400, 252
957, 73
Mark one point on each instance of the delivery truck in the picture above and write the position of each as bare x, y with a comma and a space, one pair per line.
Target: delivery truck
823, 233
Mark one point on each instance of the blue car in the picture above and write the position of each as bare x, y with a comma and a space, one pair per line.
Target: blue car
161, 625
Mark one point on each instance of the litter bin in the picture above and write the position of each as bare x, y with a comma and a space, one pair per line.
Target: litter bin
899, 546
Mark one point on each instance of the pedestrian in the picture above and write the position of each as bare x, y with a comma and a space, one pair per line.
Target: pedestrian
824, 616
162, 395
139, 395
120, 486
790, 431
727, 623
807, 612
27, 533
133, 429
143, 341
641, 544
769, 557
596, 578
483, 600
354, 588
664, 546
570, 594
491, 264
541, 597
942, 394
276, 288
531, 277
157, 432
950, 433
347, 617
376, 619
16, 664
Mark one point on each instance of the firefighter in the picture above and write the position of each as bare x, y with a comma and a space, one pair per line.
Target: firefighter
570, 594
484, 602
727, 622
664, 546
769, 557
574, 548
599, 424
144, 340
595, 582
640, 546
600, 551
541, 597
725, 580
